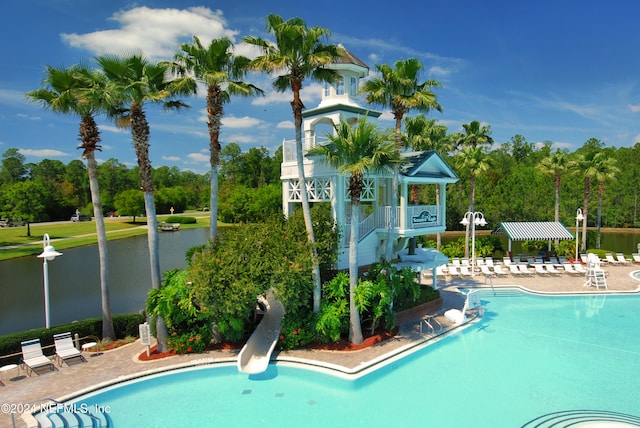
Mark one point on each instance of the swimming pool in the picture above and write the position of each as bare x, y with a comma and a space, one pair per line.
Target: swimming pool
529, 357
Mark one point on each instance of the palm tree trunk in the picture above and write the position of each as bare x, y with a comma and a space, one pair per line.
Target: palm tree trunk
214, 111
600, 193
472, 202
103, 255
213, 205
297, 107
557, 205
355, 329
394, 193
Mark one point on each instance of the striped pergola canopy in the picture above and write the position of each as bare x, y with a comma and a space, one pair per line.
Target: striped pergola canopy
533, 230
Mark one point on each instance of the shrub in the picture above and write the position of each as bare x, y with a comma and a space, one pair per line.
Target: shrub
297, 332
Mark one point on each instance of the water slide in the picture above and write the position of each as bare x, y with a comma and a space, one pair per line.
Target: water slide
256, 353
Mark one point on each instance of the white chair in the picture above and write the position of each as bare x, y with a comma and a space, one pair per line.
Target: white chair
568, 268
486, 272
540, 270
454, 270
636, 257
578, 267
622, 259
611, 260
514, 270
524, 269
32, 356
464, 271
498, 270
65, 350
552, 269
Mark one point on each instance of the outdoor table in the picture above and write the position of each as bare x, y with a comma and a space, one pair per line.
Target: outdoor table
5, 369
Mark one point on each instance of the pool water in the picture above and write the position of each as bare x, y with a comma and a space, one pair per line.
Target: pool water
530, 356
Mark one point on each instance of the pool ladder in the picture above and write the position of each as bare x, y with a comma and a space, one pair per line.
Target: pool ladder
427, 322
54, 414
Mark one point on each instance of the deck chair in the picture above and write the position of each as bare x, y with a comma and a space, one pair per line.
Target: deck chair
524, 269
65, 350
486, 271
552, 269
636, 257
464, 271
568, 268
540, 270
578, 267
611, 260
514, 270
32, 356
498, 270
622, 259
453, 270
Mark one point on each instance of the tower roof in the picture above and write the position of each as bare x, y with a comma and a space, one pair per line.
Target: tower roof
349, 58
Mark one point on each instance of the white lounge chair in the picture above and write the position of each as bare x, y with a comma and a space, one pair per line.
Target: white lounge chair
568, 268
636, 257
622, 259
486, 271
464, 271
578, 267
524, 269
499, 271
65, 350
611, 260
540, 270
32, 356
514, 270
454, 270
552, 269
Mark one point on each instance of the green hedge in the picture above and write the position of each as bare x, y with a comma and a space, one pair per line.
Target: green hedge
181, 219
124, 325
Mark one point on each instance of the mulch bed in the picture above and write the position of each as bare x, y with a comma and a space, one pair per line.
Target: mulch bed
342, 345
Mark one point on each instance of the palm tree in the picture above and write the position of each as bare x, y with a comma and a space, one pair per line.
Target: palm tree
221, 71
398, 89
475, 136
356, 151
474, 160
83, 92
298, 53
139, 81
602, 169
556, 165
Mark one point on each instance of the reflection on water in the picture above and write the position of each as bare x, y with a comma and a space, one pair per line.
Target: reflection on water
74, 280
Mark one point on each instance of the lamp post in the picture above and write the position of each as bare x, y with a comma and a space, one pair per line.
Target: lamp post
474, 218
579, 218
48, 253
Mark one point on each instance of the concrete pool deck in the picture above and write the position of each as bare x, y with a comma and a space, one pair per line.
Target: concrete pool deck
122, 363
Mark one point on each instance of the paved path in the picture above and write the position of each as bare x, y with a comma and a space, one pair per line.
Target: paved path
123, 363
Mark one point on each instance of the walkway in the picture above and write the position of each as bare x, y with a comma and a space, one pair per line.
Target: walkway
122, 363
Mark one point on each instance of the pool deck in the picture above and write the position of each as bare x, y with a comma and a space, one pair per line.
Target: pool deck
122, 363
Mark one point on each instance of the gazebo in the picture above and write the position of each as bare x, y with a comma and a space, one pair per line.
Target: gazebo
533, 230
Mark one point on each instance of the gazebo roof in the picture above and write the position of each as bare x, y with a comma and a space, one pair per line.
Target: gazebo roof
533, 230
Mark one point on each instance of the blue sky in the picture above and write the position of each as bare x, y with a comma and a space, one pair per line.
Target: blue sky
562, 71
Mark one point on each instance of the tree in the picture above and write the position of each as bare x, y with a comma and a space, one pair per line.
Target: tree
25, 200
555, 165
602, 169
586, 162
398, 89
355, 152
221, 71
13, 168
298, 53
83, 92
475, 138
137, 81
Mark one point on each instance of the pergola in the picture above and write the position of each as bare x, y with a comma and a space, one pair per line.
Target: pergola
533, 230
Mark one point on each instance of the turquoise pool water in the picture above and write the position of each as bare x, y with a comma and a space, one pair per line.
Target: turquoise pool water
529, 357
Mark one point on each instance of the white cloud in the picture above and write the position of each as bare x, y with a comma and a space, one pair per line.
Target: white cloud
633, 108
439, 71
156, 32
198, 157
241, 122
43, 153
171, 158
115, 129
286, 124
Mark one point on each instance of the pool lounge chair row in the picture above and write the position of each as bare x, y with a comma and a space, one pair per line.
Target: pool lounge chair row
33, 357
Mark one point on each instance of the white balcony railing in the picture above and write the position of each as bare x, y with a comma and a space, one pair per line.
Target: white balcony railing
289, 147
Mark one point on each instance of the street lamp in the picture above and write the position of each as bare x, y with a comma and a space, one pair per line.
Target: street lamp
579, 218
475, 218
48, 254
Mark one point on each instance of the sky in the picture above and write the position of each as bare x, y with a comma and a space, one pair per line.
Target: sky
560, 71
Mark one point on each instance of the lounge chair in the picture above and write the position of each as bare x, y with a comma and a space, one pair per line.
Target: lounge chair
584, 258
568, 268
453, 270
524, 269
489, 262
464, 271
486, 272
578, 267
65, 350
636, 257
514, 270
498, 270
622, 259
552, 269
540, 270
506, 261
32, 356
611, 260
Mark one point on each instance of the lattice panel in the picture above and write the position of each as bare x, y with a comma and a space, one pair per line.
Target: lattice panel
368, 190
318, 190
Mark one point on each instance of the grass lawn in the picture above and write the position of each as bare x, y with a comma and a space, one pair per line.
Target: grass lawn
14, 241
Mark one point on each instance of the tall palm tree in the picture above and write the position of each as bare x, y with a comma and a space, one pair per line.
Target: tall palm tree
298, 53
83, 92
602, 169
475, 136
355, 151
474, 161
556, 165
221, 72
140, 81
398, 89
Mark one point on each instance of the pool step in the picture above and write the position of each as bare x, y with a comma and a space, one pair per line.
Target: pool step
499, 292
79, 417
583, 418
